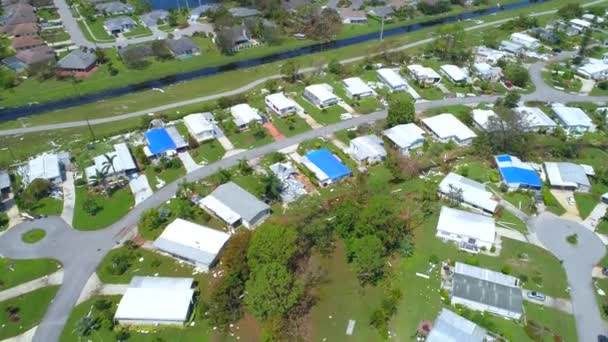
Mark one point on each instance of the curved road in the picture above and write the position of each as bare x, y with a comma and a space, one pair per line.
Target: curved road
80, 252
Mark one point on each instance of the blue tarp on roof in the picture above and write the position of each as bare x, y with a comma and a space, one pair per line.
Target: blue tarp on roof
159, 141
516, 172
328, 163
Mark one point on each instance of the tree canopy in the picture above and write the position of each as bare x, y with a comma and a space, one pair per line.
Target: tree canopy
401, 109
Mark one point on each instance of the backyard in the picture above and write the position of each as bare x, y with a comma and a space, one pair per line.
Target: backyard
159, 177
14, 272
47, 206
112, 208
20, 314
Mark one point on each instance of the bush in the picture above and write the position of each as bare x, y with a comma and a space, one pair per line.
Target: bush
523, 278
506, 269
503, 187
492, 249
434, 259
603, 85
351, 134
471, 261
572, 239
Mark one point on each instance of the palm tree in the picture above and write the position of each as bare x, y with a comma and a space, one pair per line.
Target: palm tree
100, 178
272, 187
109, 163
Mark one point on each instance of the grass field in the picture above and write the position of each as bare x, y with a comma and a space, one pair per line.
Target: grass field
47, 206
520, 199
167, 176
31, 308
33, 236
24, 271
512, 222
585, 203
290, 126
207, 152
113, 209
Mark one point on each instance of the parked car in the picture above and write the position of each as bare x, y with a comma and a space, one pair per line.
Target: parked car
557, 50
605, 271
571, 201
536, 295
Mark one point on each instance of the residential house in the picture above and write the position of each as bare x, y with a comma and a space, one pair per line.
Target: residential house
21, 30
183, 47
486, 55
26, 43
481, 117
47, 166
592, 18
14, 64
237, 37
356, 88
484, 290
200, 126
351, 16
511, 47
78, 63
119, 25
244, 115
454, 73
567, 176
367, 149
280, 104
202, 10
165, 141
395, 82
114, 8
471, 232
20, 13
321, 95
486, 72
36, 56
5, 183
450, 327
573, 119
381, 11
594, 71
535, 119
579, 25
243, 12
525, 40
423, 75
405, 137
153, 18
473, 194
292, 188
446, 127
325, 166
153, 301
117, 163
235, 206
517, 174
197, 245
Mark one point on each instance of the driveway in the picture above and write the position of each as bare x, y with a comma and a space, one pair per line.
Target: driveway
571, 210
69, 198
578, 261
188, 162
595, 216
140, 187
560, 304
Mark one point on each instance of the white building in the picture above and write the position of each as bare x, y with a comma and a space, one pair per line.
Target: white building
573, 119
156, 300
233, 205
590, 18
486, 55
512, 47
45, 166
450, 327
535, 119
487, 72
525, 40
423, 75
196, 244
280, 104
200, 126
470, 231
446, 127
321, 95
368, 149
474, 194
405, 137
454, 73
594, 71
395, 82
243, 115
481, 117
356, 88
580, 25
567, 176
122, 163
487, 291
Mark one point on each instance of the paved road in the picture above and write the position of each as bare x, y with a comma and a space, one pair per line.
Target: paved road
578, 261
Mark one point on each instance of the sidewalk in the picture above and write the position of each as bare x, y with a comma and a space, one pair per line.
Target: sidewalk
595, 216
69, 198
33, 285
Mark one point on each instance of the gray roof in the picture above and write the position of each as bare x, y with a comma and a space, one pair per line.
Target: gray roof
242, 12
77, 59
487, 292
170, 283
450, 327
381, 11
184, 251
114, 7
119, 23
151, 18
200, 10
14, 64
182, 46
5, 180
564, 174
239, 200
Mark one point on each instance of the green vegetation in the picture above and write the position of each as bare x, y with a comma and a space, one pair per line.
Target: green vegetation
522, 200
47, 206
291, 125
55, 35
572, 239
22, 313
139, 31
511, 221
33, 236
35, 198
110, 209
563, 78
167, 171
15, 272
551, 203
585, 203
207, 152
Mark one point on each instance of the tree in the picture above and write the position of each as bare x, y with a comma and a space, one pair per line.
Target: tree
367, 257
86, 325
290, 69
454, 196
161, 51
272, 291
38, 189
150, 220
451, 44
109, 163
244, 167
490, 39
272, 187
324, 25
223, 176
346, 215
517, 74
507, 132
100, 178
582, 50
172, 18
102, 57
272, 242
511, 99
431, 8
91, 206
570, 11
334, 67
401, 109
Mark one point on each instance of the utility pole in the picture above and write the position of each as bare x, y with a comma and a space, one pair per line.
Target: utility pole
382, 29
90, 128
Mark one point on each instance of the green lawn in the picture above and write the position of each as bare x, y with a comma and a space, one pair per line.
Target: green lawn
208, 152
138, 31
596, 91
551, 203
31, 308
602, 300
508, 220
602, 227
558, 322
33, 236
520, 199
167, 176
247, 140
585, 203
290, 126
55, 35
47, 206
572, 86
153, 264
323, 116
97, 31
428, 93
114, 208
24, 271
367, 105
47, 13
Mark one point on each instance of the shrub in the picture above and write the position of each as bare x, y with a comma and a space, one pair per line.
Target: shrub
503, 187
523, 278
351, 134
434, 259
506, 269
603, 85
471, 261
572, 239
492, 249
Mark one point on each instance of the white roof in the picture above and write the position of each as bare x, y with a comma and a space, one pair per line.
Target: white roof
44, 166
454, 72
489, 53
405, 136
535, 117
154, 304
485, 68
485, 274
368, 146
220, 209
280, 101
392, 77
198, 123
467, 224
243, 114
590, 17
123, 161
593, 68
446, 126
319, 174
192, 241
524, 37
572, 116
422, 72
473, 193
323, 92
482, 116
580, 22
355, 86
450, 327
